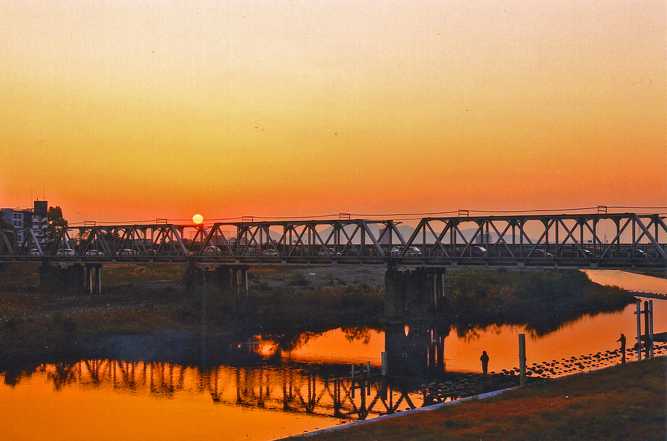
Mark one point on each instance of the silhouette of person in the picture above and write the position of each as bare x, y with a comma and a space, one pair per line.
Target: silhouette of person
485, 362
621, 340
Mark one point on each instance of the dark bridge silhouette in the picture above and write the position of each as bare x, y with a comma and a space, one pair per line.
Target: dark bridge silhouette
222, 252
606, 240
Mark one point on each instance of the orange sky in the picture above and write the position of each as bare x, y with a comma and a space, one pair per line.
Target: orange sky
127, 109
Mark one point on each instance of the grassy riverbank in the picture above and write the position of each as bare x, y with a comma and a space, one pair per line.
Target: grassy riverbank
543, 301
619, 403
149, 299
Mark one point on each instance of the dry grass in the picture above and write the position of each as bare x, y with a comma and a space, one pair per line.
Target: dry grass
620, 403
120, 274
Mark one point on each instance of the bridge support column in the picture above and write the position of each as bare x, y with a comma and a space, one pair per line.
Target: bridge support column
245, 281
62, 278
239, 281
92, 279
394, 293
421, 290
415, 349
230, 283
438, 276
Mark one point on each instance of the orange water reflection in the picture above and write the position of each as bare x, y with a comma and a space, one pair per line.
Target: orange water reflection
158, 400
629, 281
32, 411
582, 336
114, 400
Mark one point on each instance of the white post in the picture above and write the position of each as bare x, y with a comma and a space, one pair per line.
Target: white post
650, 327
522, 359
638, 314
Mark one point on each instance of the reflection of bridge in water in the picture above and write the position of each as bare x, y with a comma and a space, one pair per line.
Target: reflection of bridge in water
320, 390
414, 377
287, 388
413, 363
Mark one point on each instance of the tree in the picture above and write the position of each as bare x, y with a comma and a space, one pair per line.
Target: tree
55, 217
56, 222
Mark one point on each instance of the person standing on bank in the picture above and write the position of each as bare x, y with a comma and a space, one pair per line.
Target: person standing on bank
621, 340
485, 362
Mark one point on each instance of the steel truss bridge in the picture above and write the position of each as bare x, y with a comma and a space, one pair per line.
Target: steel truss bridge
605, 240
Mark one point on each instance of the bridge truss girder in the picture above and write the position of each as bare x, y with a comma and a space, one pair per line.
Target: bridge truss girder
585, 239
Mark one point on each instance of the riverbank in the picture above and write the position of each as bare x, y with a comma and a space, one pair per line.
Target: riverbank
150, 300
619, 403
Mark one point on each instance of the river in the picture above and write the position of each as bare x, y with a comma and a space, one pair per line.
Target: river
277, 393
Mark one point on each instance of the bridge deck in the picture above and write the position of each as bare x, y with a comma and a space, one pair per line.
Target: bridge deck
318, 261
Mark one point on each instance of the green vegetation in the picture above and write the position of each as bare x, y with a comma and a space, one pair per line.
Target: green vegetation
619, 403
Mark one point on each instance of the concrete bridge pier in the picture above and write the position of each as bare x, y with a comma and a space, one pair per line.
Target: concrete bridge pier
92, 278
62, 278
420, 291
438, 287
239, 281
228, 283
233, 279
414, 349
394, 293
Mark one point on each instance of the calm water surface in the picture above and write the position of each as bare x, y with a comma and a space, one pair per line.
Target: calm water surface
583, 336
112, 400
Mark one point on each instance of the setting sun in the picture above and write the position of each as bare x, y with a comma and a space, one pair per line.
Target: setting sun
198, 219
